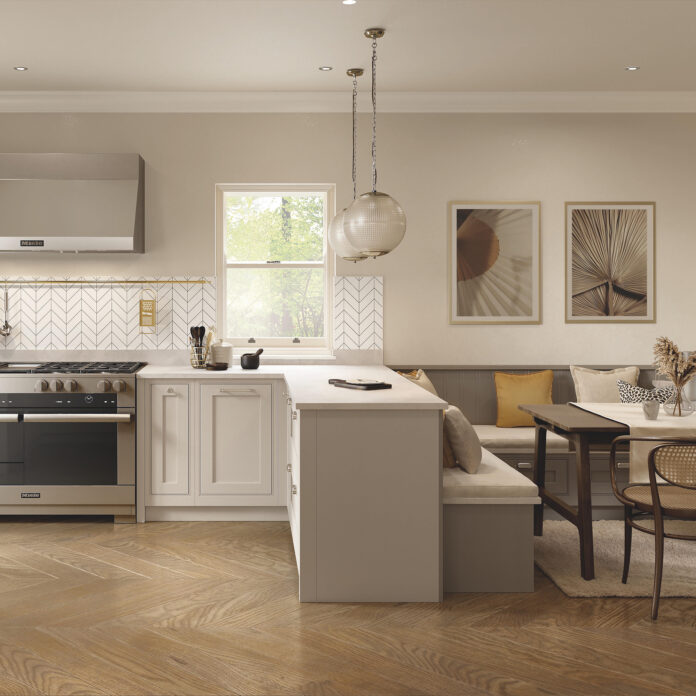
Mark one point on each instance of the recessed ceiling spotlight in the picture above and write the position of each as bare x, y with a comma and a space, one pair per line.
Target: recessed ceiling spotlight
632, 68
349, 2
21, 68
325, 68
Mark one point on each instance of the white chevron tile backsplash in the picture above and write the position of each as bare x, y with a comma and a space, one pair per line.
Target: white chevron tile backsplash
358, 313
104, 316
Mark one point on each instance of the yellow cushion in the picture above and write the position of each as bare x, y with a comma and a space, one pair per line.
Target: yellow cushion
513, 390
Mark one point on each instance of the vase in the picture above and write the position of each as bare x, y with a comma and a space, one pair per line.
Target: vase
678, 404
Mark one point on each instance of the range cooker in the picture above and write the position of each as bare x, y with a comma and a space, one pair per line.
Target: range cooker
67, 438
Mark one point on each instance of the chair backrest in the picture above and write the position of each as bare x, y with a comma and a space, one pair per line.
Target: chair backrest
676, 463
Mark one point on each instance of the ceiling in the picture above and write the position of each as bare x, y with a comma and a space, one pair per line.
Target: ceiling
277, 45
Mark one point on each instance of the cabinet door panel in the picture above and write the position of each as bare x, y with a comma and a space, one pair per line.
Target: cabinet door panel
236, 439
169, 437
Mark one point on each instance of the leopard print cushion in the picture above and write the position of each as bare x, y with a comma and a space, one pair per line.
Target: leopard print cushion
630, 394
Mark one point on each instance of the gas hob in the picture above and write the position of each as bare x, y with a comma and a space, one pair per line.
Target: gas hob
117, 378
74, 368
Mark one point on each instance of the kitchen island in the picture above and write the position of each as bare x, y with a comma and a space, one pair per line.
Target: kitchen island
357, 473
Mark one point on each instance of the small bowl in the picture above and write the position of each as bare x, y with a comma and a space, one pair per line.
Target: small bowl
217, 367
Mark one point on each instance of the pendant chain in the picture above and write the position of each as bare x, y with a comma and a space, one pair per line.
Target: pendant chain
355, 137
374, 115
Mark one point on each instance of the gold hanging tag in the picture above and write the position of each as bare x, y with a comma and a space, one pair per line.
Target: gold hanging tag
148, 311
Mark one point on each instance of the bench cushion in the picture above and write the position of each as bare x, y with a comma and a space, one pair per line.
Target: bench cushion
494, 479
516, 439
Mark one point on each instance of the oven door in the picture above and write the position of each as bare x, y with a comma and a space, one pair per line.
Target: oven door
50, 447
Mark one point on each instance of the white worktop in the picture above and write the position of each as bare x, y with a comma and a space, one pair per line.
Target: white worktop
309, 388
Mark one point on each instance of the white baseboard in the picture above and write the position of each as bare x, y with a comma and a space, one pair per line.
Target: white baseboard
216, 514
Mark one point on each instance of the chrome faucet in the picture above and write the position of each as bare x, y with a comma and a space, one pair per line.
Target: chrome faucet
6, 329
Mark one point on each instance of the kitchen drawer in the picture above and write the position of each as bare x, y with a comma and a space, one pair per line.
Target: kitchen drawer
556, 469
294, 461
294, 514
293, 480
294, 470
293, 426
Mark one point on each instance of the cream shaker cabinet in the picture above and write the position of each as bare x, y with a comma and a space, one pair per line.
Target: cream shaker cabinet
236, 457
204, 444
170, 442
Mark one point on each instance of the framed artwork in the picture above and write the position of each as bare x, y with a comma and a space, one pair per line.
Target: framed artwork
494, 273
610, 262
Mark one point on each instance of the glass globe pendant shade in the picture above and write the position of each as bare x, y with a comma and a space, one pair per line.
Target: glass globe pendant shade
338, 241
374, 224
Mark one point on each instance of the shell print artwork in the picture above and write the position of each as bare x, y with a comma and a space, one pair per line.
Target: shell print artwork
495, 263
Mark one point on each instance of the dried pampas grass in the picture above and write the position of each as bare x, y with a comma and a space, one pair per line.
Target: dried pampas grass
671, 362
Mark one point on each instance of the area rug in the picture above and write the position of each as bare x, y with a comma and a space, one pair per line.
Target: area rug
557, 554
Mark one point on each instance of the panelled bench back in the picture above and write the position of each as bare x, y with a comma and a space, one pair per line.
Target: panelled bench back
472, 389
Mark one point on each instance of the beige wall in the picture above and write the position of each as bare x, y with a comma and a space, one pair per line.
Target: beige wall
425, 161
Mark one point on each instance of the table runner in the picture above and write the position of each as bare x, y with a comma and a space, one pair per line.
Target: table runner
632, 416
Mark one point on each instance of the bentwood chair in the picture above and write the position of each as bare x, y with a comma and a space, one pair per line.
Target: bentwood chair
674, 461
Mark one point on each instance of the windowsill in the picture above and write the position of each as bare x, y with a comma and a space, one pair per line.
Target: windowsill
269, 358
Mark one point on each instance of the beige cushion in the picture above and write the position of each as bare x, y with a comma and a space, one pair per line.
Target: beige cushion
599, 386
494, 479
464, 440
422, 380
448, 459
516, 439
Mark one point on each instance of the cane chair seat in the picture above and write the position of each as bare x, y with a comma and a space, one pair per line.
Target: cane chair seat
673, 500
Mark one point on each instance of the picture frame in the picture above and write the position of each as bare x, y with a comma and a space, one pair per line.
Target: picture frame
494, 262
610, 262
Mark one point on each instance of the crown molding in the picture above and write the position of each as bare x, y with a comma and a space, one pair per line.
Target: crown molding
339, 102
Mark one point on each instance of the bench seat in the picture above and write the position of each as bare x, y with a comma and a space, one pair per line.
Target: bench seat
517, 439
488, 533
494, 479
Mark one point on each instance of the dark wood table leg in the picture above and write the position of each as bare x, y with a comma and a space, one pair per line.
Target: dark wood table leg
539, 476
582, 458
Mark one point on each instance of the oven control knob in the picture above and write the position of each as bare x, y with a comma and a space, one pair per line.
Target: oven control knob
103, 385
55, 385
70, 385
41, 385
119, 385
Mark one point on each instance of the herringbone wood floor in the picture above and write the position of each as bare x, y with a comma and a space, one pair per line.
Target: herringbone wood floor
210, 608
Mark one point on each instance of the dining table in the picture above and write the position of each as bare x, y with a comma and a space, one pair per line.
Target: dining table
584, 431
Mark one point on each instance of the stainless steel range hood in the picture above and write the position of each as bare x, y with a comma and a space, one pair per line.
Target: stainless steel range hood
64, 202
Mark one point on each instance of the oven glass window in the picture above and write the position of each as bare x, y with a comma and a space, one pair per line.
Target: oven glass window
59, 454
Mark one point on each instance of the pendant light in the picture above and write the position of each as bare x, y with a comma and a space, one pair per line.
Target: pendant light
337, 236
375, 223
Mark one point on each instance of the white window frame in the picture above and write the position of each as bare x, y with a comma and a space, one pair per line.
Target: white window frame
276, 346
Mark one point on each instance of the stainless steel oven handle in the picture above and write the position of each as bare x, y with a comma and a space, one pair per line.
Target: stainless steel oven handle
78, 417
9, 417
